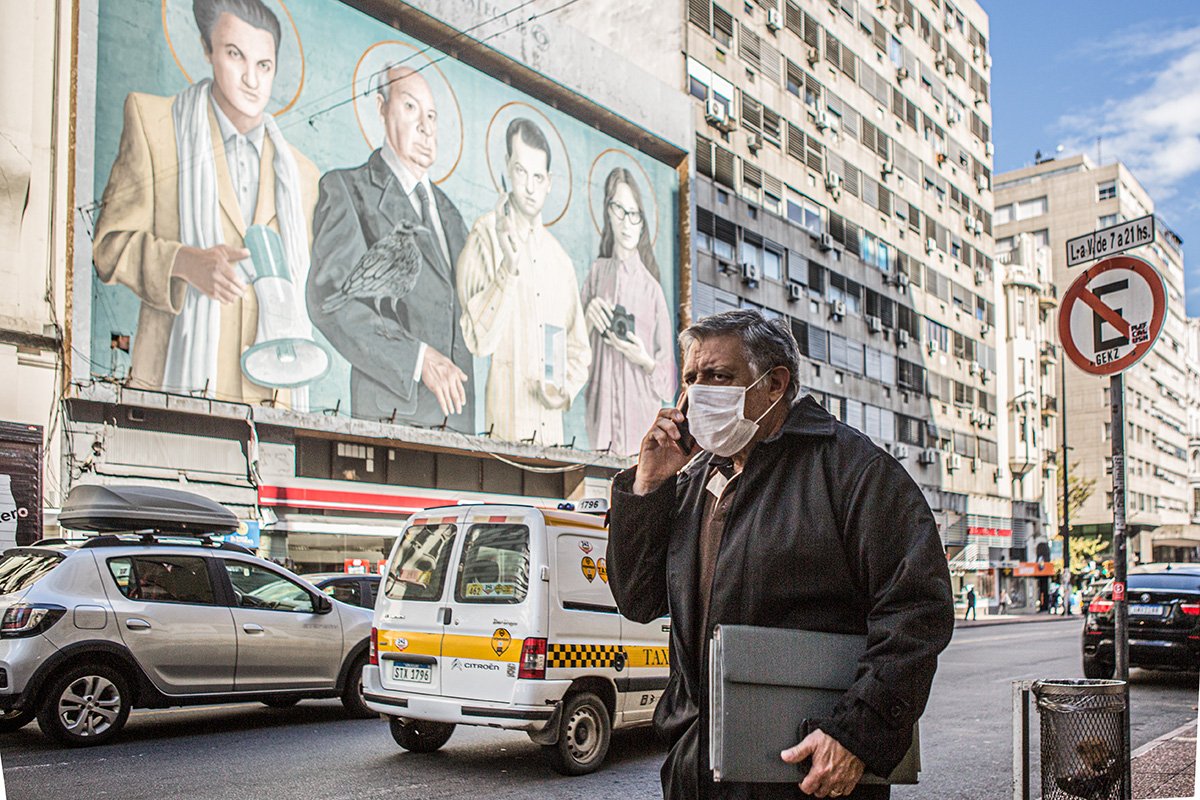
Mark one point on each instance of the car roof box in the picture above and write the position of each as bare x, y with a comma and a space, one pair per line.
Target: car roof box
113, 509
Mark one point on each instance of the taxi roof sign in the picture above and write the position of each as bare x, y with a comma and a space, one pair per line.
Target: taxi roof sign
1112, 315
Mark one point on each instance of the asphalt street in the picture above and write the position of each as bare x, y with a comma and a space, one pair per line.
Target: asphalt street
311, 751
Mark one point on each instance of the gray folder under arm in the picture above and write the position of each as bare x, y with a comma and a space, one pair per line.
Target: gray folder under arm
763, 684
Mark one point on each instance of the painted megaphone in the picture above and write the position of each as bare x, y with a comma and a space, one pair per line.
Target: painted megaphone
284, 355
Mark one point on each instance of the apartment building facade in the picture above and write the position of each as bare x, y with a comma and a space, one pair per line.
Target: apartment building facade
842, 181
1053, 201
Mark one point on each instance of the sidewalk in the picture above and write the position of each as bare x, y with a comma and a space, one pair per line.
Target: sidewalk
1013, 616
1166, 767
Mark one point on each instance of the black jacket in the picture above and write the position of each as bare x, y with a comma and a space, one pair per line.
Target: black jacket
355, 209
827, 532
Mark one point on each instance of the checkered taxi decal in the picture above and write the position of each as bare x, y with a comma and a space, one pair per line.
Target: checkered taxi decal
570, 656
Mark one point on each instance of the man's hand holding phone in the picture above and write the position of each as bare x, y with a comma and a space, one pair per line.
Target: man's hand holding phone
666, 449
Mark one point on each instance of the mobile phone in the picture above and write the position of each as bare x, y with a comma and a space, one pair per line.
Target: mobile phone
686, 442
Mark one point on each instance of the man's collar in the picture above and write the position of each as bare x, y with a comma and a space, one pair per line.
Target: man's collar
408, 181
229, 130
807, 418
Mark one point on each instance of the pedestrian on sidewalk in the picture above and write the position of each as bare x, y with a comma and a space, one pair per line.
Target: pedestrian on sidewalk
1004, 600
776, 485
970, 603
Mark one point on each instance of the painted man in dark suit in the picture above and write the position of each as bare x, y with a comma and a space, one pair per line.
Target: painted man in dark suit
412, 364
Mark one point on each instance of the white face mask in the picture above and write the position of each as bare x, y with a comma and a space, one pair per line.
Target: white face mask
716, 417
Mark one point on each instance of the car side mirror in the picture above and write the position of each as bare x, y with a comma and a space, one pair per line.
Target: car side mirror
322, 604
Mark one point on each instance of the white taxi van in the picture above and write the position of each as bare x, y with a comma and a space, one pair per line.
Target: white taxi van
501, 615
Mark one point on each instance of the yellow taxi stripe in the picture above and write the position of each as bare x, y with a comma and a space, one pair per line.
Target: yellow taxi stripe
647, 656
575, 522
476, 648
425, 644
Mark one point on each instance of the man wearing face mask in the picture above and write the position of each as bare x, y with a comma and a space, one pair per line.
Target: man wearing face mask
778, 515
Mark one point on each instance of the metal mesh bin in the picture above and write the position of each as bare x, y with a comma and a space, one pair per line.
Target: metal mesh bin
1083, 737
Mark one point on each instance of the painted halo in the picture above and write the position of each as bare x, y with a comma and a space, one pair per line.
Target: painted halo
605, 163
183, 40
559, 199
393, 52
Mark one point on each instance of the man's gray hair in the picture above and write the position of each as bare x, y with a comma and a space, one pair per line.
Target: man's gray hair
381, 82
766, 343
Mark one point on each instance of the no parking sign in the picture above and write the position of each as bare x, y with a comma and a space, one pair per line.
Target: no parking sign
1112, 315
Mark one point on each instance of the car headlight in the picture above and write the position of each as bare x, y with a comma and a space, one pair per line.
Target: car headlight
28, 619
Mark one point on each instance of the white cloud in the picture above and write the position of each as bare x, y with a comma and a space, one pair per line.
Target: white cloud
1155, 129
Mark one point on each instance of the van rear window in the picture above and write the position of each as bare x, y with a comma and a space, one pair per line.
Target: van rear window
20, 569
495, 565
418, 571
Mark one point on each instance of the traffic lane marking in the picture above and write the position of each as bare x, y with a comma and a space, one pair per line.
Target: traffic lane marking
1104, 311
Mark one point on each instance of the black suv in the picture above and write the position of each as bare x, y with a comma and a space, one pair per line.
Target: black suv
1164, 621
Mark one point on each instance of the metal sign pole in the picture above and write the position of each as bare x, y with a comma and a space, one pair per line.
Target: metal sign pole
1119, 594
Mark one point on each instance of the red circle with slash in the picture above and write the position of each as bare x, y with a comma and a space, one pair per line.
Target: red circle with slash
1147, 331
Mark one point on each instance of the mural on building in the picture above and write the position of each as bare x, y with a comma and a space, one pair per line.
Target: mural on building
300, 205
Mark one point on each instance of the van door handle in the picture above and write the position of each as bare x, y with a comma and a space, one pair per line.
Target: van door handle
137, 624
250, 627
447, 612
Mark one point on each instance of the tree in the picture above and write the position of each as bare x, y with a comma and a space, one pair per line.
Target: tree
1083, 548
1079, 490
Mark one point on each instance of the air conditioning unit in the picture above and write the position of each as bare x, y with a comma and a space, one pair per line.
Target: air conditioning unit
901, 20
989, 149
980, 277
940, 61
983, 376
930, 244
823, 118
750, 274
833, 180
984, 329
753, 141
978, 99
813, 53
775, 19
953, 116
835, 123
874, 324
837, 309
976, 53
975, 368
931, 346
954, 462
969, 223
902, 338
881, 5
927, 456
902, 281
902, 74
900, 452
795, 292
987, 60
826, 241
887, 167
981, 183
714, 112
977, 224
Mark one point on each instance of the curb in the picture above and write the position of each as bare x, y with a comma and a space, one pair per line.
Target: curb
1016, 619
1153, 743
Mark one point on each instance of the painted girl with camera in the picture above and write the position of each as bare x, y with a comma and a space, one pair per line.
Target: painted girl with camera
629, 326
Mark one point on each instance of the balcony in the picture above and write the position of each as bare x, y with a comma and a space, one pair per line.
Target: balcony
1048, 297
1049, 354
1049, 406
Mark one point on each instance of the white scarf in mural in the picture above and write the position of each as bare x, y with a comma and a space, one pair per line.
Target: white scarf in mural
192, 349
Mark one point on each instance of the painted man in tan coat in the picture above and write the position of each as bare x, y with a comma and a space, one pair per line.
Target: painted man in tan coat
193, 172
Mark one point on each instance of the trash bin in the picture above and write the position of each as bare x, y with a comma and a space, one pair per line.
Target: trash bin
1083, 738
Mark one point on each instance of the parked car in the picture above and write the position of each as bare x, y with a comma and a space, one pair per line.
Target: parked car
1164, 621
357, 590
152, 612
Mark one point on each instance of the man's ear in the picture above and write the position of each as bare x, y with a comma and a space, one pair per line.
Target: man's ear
379, 103
207, 50
781, 378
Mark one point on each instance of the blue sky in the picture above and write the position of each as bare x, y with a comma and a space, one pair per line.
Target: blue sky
1065, 72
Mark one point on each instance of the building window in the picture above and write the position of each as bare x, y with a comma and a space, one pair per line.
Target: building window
1035, 207
1108, 219
1003, 215
805, 213
1106, 190
703, 83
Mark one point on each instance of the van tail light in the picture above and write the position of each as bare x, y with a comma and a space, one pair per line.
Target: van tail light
533, 659
1191, 609
1099, 606
28, 619
374, 653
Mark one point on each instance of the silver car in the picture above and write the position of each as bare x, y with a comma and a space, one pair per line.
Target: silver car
165, 616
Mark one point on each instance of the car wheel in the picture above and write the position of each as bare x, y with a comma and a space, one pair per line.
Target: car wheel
352, 692
86, 705
584, 733
1096, 669
280, 702
14, 719
420, 735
